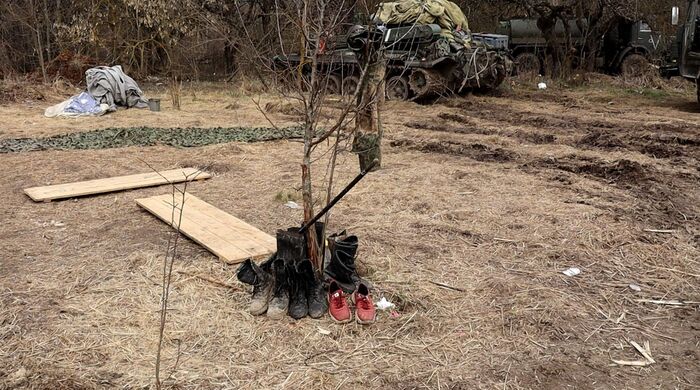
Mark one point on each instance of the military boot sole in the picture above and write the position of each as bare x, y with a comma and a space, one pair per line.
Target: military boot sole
317, 315
298, 316
256, 311
276, 312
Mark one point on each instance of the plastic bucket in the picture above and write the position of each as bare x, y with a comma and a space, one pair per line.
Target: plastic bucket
154, 104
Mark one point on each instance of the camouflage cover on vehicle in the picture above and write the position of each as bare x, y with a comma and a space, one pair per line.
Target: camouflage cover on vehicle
452, 62
428, 49
445, 14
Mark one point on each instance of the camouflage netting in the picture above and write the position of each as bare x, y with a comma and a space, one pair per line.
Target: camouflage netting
444, 13
148, 136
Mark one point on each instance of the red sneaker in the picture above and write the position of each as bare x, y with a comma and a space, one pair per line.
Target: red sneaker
337, 304
365, 313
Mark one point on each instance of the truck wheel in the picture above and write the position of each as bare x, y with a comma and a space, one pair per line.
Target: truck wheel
634, 65
333, 85
350, 84
528, 64
397, 88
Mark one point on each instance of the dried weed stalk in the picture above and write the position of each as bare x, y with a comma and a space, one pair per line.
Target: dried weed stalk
171, 254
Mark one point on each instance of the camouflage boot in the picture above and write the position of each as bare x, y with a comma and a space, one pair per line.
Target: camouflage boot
277, 308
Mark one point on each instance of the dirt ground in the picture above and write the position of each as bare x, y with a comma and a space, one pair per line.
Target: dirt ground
492, 195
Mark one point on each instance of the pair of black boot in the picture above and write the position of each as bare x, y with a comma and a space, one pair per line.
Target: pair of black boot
284, 287
298, 281
306, 291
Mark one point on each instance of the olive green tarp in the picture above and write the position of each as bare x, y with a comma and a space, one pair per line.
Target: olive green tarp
444, 13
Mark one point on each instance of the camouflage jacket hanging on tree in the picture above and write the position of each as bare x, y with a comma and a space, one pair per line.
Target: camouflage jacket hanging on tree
367, 43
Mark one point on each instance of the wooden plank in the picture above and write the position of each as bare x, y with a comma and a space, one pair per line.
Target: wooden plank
226, 236
111, 184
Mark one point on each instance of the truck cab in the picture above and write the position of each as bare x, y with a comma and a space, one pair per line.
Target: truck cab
689, 45
625, 40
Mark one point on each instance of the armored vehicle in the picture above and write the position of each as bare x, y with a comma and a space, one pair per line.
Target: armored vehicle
423, 59
626, 48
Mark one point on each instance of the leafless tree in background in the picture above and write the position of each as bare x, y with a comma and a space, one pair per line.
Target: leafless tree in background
226, 36
302, 29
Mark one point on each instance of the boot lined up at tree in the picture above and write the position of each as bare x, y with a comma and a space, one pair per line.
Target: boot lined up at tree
262, 282
286, 283
280, 297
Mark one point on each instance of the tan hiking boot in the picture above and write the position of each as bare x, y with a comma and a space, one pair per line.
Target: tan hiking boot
262, 290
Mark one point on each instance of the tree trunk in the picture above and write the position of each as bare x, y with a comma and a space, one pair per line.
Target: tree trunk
40, 51
36, 29
307, 198
48, 27
368, 125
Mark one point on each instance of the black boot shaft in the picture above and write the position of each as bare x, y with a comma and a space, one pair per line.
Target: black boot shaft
346, 250
315, 293
250, 273
246, 273
279, 269
279, 303
341, 266
291, 245
299, 284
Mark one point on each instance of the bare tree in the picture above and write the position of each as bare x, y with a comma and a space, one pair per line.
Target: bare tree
178, 37
306, 80
31, 15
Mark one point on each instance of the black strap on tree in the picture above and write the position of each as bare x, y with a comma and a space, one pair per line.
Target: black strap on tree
338, 197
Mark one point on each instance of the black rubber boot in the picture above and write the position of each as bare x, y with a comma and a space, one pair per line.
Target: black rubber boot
291, 246
267, 264
298, 306
262, 282
341, 266
248, 270
277, 307
315, 293
246, 273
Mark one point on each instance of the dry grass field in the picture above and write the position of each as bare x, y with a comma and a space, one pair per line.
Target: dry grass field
492, 195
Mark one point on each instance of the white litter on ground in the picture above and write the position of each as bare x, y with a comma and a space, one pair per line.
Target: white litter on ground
573, 271
383, 304
292, 205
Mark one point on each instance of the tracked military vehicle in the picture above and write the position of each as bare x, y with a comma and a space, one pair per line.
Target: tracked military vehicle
423, 59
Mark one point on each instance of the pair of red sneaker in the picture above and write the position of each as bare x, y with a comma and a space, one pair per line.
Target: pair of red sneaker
339, 309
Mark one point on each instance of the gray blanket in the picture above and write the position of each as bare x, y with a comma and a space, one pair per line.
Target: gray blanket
110, 85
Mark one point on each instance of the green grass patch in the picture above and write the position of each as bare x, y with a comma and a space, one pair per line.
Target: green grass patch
651, 93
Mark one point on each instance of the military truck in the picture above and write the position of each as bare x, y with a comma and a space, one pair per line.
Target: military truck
627, 48
423, 60
685, 53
